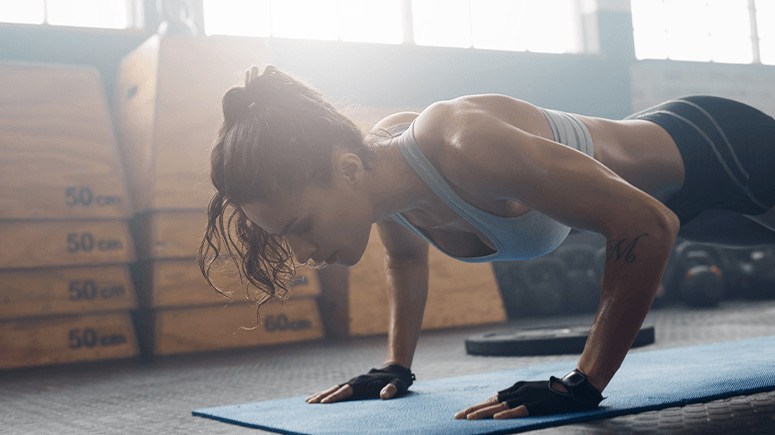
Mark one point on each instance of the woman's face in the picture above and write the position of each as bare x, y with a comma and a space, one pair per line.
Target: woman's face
329, 225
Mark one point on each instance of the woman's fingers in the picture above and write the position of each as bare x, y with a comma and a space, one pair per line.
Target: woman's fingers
488, 403
317, 397
388, 392
519, 411
340, 394
336, 393
488, 411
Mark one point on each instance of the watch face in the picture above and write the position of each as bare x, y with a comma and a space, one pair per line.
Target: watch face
573, 378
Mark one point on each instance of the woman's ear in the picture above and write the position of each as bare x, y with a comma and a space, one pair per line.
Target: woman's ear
350, 167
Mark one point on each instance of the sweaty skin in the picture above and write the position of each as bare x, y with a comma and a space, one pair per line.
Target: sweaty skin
498, 154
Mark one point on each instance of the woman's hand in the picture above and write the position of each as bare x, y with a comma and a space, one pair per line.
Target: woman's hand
571, 393
388, 382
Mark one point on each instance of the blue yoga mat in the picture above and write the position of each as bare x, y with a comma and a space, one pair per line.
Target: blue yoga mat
646, 381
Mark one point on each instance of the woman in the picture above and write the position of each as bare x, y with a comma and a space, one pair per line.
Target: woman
483, 178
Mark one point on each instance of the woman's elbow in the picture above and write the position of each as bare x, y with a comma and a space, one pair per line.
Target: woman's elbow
655, 226
667, 222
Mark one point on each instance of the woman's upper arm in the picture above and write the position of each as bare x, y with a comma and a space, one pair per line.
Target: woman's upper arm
488, 156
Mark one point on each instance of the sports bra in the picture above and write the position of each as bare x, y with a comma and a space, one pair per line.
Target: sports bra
529, 235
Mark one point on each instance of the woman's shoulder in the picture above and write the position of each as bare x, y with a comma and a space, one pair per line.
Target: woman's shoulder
394, 120
467, 137
449, 119
448, 131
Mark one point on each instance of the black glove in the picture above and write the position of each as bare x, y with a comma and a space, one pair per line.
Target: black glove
369, 385
546, 397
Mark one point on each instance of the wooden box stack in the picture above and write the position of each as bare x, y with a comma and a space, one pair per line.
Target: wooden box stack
168, 108
181, 313
65, 288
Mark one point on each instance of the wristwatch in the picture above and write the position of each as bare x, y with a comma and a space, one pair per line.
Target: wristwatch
574, 378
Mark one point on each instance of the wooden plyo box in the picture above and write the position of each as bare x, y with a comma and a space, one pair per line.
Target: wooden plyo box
459, 294
58, 152
67, 290
197, 329
169, 233
179, 282
64, 339
64, 243
168, 107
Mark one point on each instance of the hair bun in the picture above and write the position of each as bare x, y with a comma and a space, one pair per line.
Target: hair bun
236, 104
257, 84
251, 74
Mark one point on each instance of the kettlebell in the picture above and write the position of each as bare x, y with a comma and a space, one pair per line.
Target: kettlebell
696, 277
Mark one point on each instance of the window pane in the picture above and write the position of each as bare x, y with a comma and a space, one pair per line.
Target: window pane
650, 30
697, 30
765, 23
730, 31
306, 19
111, 14
552, 26
687, 42
498, 25
371, 21
21, 11
445, 23
237, 17
549, 26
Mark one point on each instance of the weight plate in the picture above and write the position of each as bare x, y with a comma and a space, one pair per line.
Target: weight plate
541, 341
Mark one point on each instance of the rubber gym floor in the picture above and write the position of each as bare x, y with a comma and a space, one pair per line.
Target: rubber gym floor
157, 395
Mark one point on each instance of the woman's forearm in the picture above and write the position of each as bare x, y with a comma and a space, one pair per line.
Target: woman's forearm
635, 261
407, 294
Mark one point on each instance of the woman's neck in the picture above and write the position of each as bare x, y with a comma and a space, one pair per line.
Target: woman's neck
392, 185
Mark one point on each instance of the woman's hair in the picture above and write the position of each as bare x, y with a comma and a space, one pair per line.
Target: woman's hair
278, 136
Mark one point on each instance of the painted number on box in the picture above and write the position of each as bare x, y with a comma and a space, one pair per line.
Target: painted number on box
84, 197
283, 323
89, 338
86, 242
89, 290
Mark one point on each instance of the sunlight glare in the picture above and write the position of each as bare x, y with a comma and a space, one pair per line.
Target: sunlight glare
377, 21
21, 11
306, 19
106, 14
237, 17
451, 30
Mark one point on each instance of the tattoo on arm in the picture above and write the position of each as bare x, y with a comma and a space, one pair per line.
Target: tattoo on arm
623, 249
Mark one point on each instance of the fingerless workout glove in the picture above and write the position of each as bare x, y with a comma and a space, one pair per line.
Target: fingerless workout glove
544, 397
369, 385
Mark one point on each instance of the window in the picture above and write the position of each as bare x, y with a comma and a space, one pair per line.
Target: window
548, 26
376, 21
22, 11
703, 30
237, 17
551, 26
109, 14
454, 30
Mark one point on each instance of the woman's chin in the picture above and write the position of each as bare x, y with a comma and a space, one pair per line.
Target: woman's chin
344, 260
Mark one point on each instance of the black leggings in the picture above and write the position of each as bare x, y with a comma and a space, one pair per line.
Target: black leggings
728, 149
